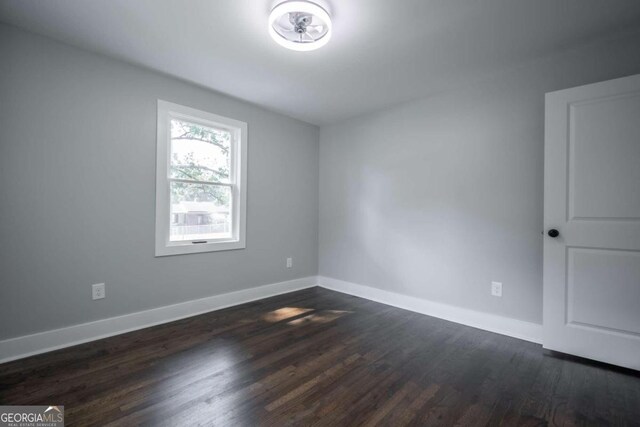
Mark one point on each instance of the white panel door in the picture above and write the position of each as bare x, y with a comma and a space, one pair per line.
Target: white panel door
592, 198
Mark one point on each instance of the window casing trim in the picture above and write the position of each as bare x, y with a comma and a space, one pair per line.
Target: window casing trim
237, 175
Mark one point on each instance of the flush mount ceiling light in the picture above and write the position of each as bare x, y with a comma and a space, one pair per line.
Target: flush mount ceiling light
300, 25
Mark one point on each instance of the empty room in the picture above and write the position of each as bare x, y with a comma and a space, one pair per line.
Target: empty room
319, 213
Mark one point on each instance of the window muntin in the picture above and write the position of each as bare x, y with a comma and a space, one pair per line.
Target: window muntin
201, 194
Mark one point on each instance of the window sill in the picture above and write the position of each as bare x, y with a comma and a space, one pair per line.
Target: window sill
194, 248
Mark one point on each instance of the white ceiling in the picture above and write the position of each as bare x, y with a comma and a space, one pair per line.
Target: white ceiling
383, 52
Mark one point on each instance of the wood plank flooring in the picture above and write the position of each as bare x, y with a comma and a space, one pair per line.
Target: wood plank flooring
317, 357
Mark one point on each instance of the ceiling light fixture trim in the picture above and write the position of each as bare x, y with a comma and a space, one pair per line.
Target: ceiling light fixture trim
300, 25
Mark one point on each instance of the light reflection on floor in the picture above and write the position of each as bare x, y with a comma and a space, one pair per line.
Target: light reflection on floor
285, 313
323, 316
204, 380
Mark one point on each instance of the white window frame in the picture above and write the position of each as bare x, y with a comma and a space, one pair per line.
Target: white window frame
237, 180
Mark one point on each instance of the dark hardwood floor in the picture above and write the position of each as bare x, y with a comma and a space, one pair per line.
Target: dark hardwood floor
317, 357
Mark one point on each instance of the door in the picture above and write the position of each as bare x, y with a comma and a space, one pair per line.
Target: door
592, 208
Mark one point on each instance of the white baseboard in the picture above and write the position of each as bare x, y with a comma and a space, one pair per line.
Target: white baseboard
28, 345
527, 331
42, 342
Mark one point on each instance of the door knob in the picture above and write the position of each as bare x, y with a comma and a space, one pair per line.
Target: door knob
553, 233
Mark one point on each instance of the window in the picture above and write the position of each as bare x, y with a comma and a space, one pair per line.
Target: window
201, 175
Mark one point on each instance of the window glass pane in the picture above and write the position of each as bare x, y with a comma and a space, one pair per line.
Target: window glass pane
199, 212
199, 152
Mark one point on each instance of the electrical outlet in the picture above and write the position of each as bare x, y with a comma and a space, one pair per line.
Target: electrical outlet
289, 262
97, 291
496, 289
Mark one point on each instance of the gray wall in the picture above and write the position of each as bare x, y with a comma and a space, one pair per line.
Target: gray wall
438, 197
77, 190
